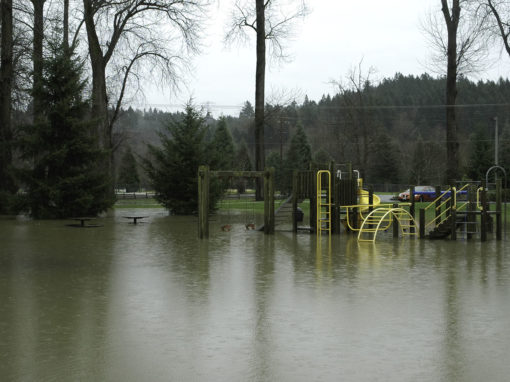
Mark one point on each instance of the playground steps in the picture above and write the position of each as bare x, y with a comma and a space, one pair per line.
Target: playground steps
443, 230
283, 214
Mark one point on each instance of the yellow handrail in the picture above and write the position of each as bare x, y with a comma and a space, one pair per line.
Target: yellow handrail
438, 199
478, 198
453, 194
360, 212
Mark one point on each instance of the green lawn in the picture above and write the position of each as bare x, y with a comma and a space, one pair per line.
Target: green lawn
254, 206
137, 203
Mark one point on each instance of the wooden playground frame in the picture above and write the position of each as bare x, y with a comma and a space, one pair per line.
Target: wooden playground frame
204, 177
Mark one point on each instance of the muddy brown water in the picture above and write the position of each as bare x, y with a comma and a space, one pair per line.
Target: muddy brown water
151, 302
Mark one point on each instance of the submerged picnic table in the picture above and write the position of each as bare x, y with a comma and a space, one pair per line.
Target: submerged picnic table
135, 218
83, 221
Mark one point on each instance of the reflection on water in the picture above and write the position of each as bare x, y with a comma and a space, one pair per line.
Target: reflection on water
152, 302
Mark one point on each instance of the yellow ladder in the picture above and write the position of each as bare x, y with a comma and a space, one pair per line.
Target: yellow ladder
323, 202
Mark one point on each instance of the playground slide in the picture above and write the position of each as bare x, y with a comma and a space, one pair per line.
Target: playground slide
363, 199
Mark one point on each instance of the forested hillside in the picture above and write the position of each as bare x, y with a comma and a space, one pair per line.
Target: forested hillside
392, 131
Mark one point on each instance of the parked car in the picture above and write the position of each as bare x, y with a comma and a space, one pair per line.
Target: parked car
421, 194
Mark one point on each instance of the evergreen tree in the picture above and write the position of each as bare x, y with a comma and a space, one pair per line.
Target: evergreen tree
64, 180
247, 112
298, 156
128, 173
242, 158
384, 164
222, 147
504, 149
172, 168
242, 163
481, 158
274, 160
322, 156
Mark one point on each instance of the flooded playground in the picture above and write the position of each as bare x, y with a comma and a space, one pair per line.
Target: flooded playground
152, 302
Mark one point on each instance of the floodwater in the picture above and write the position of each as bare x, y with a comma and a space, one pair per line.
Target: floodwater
151, 302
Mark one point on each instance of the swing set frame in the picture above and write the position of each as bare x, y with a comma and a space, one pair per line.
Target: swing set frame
204, 176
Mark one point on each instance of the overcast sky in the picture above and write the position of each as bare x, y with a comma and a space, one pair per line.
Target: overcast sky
333, 38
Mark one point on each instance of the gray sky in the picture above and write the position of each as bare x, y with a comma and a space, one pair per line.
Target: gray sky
333, 38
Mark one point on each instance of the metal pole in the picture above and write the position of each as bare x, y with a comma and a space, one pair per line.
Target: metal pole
496, 141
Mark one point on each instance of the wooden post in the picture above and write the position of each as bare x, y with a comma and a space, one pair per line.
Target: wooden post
483, 224
203, 202
337, 205
498, 210
313, 200
422, 223
412, 206
453, 217
295, 192
395, 223
269, 201
471, 217
334, 218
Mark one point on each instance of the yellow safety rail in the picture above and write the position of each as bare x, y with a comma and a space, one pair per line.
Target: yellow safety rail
323, 202
361, 209
443, 216
478, 198
381, 219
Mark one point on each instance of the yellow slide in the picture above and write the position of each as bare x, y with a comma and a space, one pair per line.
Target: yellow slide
363, 199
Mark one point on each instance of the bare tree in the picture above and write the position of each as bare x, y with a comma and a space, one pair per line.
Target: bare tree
458, 40
499, 11
124, 34
356, 114
272, 21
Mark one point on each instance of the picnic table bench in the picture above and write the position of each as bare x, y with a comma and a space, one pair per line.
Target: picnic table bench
83, 221
135, 218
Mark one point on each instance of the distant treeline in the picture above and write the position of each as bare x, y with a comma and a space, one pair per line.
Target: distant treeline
393, 131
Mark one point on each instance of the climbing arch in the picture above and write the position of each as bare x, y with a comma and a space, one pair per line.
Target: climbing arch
382, 218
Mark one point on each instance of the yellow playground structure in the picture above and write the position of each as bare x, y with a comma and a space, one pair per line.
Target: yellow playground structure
367, 216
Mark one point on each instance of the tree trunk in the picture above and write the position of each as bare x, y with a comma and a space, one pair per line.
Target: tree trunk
37, 58
66, 25
260, 73
452, 144
99, 98
6, 75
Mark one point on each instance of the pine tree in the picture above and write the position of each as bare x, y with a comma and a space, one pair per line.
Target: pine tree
64, 180
128, 173
172, 168
242, 163
504, 148
384, 166
242, 158
322, 156
222, 147
298, 156
274, 160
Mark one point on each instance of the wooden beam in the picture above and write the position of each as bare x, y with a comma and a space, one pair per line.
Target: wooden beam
237, 174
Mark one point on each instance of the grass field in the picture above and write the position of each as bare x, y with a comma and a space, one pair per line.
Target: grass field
250, 205
137, 203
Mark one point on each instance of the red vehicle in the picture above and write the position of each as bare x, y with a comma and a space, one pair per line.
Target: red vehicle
421, 194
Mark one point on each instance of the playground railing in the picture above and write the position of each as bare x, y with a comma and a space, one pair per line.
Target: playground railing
447, 198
